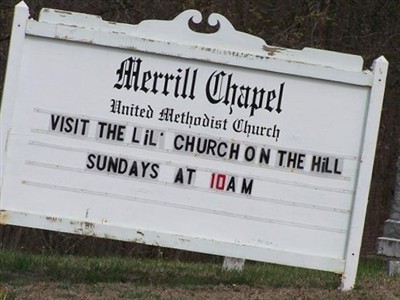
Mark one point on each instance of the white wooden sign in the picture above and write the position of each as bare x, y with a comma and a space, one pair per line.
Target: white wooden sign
215, 143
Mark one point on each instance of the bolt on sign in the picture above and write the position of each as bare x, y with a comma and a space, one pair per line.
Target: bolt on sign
216, 143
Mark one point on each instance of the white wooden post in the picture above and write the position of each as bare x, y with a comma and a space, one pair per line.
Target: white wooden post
21, 14
380, 68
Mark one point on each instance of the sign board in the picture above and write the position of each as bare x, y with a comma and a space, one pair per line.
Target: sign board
215, 143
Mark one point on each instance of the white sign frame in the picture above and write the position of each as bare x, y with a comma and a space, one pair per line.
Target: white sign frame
225, 47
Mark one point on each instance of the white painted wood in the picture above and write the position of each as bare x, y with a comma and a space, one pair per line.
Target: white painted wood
380, 68
225, 47
314, 104
21, 14
199, 244
226, 38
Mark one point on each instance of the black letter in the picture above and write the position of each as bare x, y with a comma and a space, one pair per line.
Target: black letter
90, 163
179, 176
175, 144
216, 88
246, 189
126, 72
54, 122
154, 168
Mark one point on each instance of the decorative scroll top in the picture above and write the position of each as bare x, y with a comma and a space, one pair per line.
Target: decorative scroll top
226, 38
176, 30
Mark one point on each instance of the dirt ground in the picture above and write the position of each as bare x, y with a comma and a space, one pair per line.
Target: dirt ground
59, 290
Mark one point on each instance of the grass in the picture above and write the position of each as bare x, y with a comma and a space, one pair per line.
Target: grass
18, 270
13, 265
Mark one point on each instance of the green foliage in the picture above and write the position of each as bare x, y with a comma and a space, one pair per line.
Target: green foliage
117, 277
70, 269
